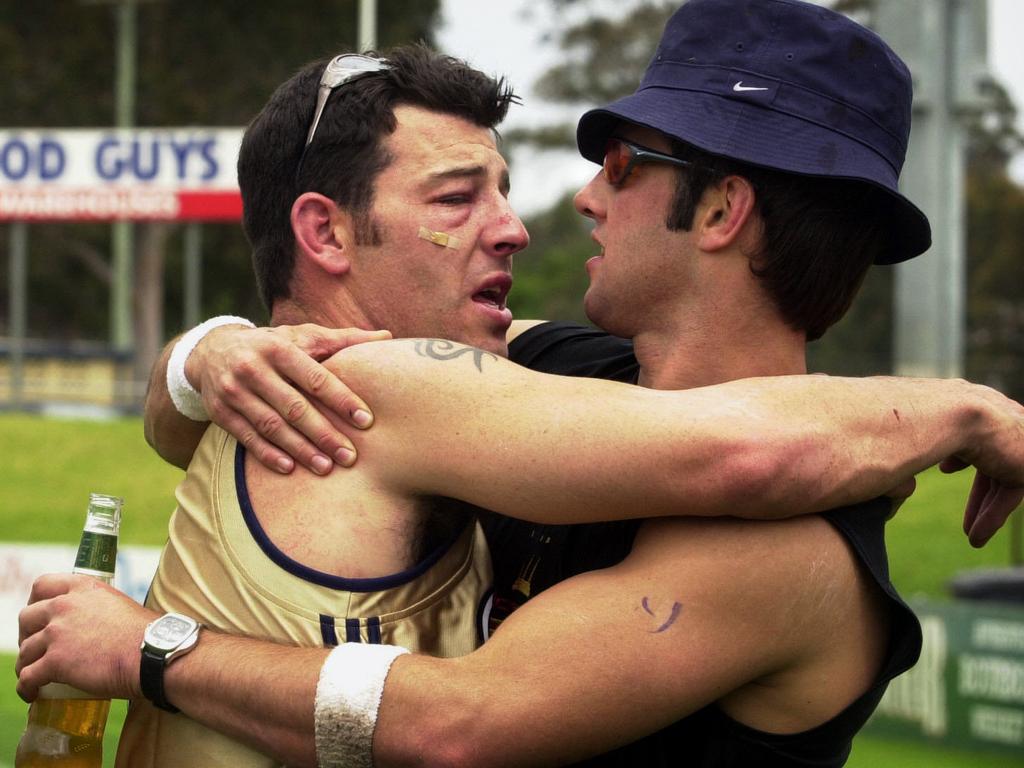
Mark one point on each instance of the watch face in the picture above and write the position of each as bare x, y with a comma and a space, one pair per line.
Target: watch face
167, 632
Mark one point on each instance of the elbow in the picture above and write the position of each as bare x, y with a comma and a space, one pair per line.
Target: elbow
759, 475
149, 427
453, 752
453, 734
178, 453
445, 744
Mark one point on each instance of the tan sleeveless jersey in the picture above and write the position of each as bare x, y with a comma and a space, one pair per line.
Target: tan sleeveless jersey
219, 567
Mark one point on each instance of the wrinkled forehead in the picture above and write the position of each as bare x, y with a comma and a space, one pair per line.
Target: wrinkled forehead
426, 142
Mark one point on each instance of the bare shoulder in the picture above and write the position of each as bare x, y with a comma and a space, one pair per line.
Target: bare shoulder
414, 368
789, 573
798, 588
520, 327
414, 357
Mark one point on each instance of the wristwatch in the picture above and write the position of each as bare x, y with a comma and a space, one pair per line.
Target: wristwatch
167, 638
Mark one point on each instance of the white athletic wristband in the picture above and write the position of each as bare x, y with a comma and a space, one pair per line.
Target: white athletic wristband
347, 698
186, 399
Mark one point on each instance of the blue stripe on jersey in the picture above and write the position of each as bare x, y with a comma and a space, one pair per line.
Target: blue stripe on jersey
327, 631
352, 631
373, 629
312, 575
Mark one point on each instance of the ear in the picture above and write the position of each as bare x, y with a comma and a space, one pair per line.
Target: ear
323, 232
725, 210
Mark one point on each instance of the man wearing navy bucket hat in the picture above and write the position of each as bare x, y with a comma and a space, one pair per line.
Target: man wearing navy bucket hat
746, 187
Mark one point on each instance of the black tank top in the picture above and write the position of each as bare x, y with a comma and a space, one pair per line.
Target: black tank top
529, 558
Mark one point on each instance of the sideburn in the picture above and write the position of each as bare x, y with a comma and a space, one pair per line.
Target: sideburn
367, 229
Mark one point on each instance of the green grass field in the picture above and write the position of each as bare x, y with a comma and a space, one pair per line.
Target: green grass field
45, 483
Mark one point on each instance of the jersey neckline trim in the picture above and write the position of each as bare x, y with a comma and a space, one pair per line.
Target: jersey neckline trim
312, 575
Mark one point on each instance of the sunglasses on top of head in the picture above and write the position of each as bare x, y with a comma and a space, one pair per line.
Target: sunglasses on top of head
621, 157
340, 70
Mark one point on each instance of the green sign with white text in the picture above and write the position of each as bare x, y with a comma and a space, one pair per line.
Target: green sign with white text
967, 690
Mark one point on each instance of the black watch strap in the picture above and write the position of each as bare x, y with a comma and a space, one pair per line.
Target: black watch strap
151, 676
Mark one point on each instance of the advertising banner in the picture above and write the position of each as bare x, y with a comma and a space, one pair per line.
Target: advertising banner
967, 690
177, 174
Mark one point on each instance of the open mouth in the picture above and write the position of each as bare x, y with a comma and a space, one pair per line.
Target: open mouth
494, 292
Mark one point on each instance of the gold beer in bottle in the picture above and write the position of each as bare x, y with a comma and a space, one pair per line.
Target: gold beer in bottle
65, 725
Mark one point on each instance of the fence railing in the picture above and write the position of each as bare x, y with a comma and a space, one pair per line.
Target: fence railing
43, 372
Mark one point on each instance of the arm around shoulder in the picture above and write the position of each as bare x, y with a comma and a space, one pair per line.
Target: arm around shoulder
460, 422
173, 436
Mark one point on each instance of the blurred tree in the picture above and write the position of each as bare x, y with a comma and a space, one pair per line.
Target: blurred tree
995, 262
199, 63
550, 278
604, 59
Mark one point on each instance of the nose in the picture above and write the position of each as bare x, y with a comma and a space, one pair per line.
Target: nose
507, 235
588, 200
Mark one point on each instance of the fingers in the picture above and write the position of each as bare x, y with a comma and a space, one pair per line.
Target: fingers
32, 619
28, 666
32, 638
276, 421
50, 585
979, 490
305, 371
952, 464
45, 590
999, 503
238, 424
903, 491
87, 637
319, 342
261, 391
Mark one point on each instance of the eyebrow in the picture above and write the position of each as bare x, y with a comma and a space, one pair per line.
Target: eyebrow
504, 185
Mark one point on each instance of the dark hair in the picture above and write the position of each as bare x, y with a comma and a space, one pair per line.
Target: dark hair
819, 236
346, 154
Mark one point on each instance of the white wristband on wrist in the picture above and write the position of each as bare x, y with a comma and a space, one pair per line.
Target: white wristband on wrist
186, 399
348, 696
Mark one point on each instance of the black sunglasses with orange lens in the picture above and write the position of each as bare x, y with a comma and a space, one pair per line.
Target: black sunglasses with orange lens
621, 157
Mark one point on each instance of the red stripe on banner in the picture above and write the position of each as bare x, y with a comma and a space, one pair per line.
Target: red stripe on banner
99, 204
210, 206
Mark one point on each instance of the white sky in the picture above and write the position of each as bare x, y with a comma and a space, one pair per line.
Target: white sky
505, 38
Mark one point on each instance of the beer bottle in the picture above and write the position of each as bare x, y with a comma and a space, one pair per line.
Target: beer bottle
65, 725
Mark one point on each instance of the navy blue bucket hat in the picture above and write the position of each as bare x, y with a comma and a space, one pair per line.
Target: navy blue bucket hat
781, 84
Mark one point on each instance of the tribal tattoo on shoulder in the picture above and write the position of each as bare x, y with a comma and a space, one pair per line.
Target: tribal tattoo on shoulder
439, 349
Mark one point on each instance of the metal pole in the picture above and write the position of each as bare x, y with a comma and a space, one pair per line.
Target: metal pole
18, 258
367, 25
943, 42
122, 241
193, 273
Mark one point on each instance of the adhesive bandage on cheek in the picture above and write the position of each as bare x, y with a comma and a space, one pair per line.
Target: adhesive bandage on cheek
439, 238
348, 696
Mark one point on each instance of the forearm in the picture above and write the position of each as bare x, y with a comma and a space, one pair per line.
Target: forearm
257, 692
173, 436
834, 441
762, 448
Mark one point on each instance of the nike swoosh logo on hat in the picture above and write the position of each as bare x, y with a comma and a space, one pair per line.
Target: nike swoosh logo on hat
741, 87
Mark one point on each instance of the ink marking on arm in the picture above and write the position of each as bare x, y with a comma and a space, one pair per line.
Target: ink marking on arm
439, 349
677, 608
